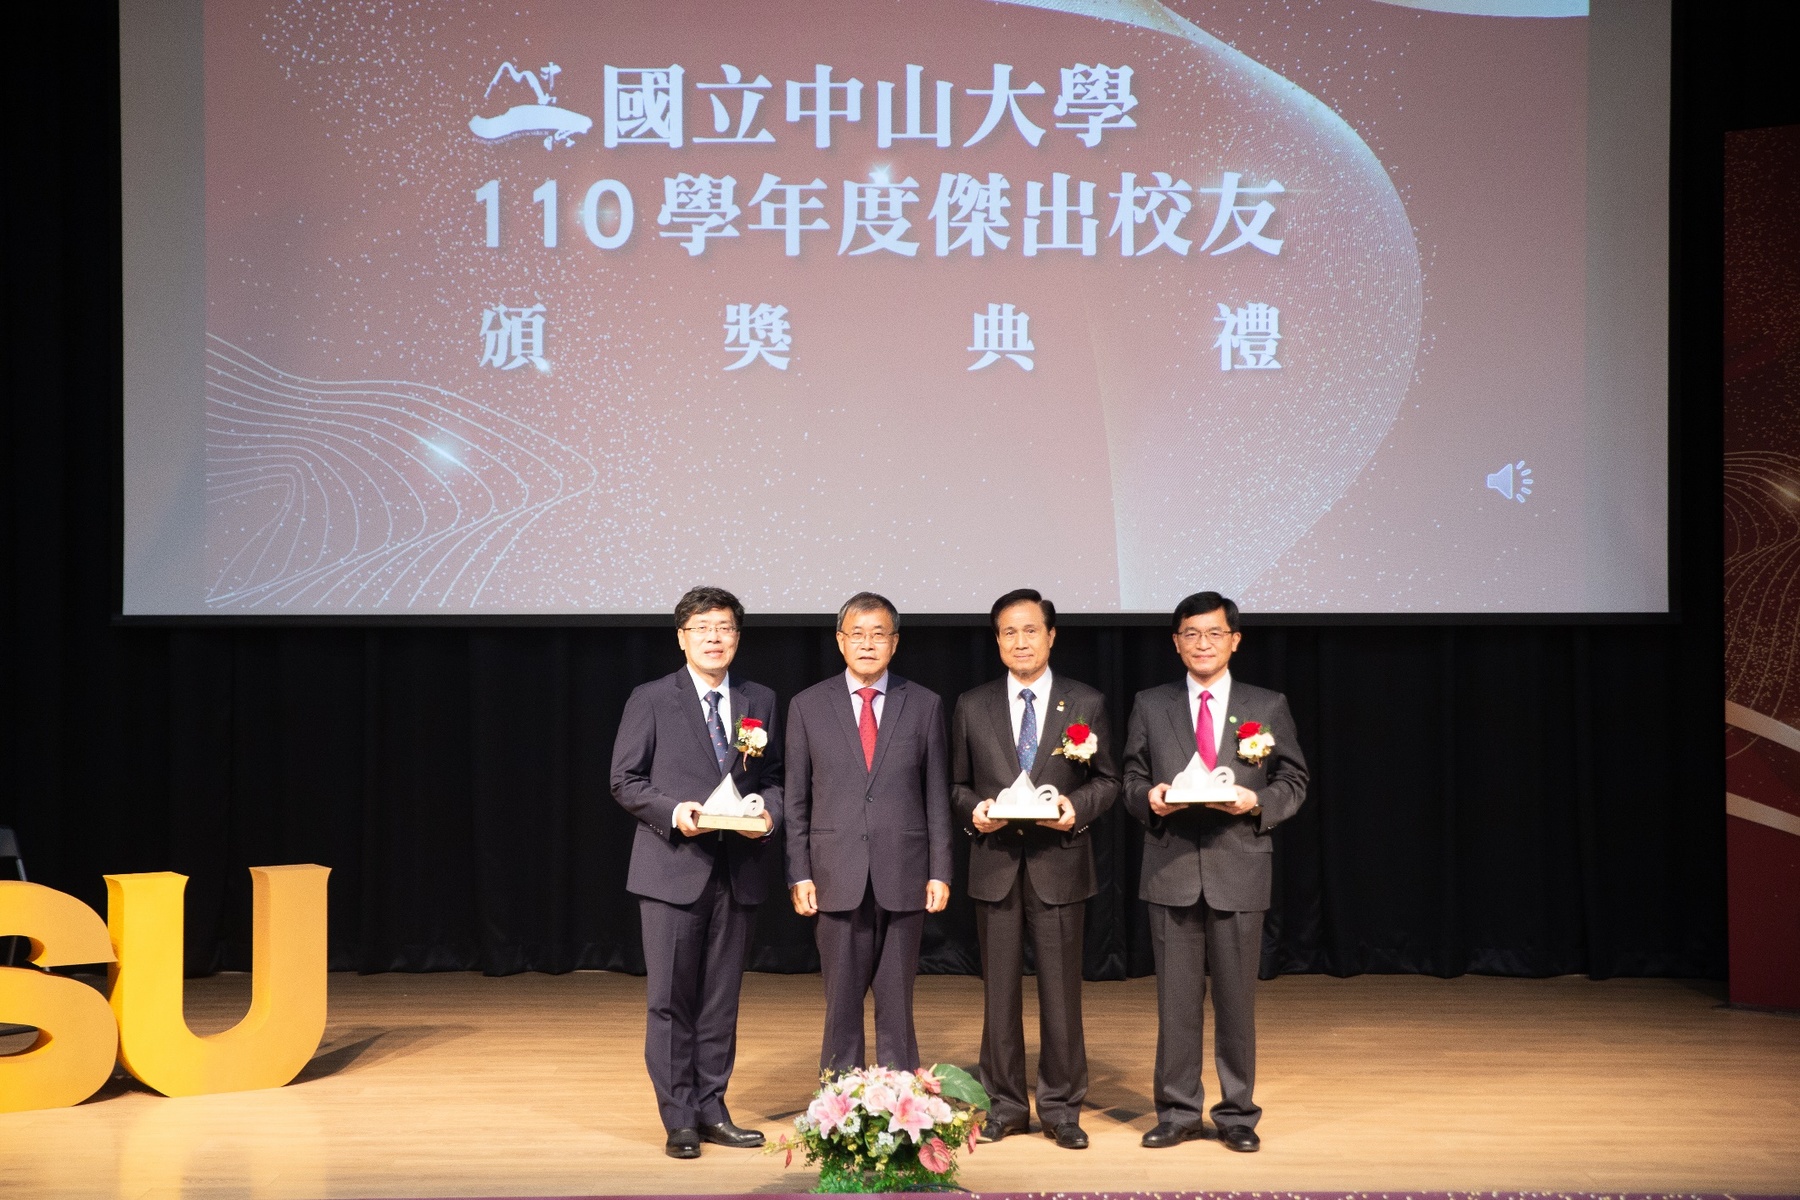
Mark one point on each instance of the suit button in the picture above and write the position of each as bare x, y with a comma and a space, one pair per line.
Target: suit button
865, 837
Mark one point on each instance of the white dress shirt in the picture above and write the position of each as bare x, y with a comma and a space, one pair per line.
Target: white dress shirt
1040, 692
1221, 696
856, 701
701, 687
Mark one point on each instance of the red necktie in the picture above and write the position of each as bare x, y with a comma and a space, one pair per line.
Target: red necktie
1203, 734
866, 726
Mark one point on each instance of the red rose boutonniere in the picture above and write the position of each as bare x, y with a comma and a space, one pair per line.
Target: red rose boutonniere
751, 738
1254, 742
1079, 743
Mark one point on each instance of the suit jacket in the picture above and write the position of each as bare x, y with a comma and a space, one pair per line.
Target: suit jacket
849, 826
984, 761
1202, 850
662, 757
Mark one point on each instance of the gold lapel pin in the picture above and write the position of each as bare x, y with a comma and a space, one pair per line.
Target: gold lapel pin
1059, 706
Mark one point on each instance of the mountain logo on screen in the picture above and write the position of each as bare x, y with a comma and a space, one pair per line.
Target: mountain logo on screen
545, 119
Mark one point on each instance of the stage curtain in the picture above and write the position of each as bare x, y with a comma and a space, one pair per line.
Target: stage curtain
1507, 800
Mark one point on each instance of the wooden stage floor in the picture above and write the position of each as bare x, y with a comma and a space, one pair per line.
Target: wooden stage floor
458, 1085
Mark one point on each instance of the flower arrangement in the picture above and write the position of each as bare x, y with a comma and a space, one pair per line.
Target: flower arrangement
1078, 743
882, 1130
1254, 742
751, 738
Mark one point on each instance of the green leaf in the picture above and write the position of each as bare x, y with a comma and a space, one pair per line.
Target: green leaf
958, 1084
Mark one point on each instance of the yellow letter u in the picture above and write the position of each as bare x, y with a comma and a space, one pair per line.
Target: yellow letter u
287, 984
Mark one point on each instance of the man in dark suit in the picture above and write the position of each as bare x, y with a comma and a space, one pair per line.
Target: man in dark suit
1207, 868
1032, 877
697, 890
868, 833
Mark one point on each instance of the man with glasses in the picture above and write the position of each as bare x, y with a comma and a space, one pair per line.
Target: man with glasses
868, 833
1207, 869
697, 890
1032, 878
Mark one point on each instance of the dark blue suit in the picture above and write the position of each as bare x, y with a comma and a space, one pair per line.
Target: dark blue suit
696, 895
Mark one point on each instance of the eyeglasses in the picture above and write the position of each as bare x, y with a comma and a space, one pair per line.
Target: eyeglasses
880, 637
1212, 637
725, 632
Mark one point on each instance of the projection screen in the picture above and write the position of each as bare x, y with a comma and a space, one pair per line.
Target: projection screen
557, 307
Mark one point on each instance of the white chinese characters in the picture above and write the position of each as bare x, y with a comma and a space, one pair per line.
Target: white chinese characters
512, 337
757, 331
749, 96
702, 206
1251, 332
643, 106
1002, 330
1098, 97
1249, 218
875, 209
971, 212
1056, 215
782, 210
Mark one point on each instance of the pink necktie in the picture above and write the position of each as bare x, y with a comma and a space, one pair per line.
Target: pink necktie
1203, 734
866, 726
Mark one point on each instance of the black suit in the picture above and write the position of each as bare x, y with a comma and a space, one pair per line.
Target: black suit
1207, 878
696, 895
869, 838
1029, 879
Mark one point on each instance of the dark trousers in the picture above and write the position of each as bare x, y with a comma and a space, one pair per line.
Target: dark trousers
1055, 932
694, 960
867, 948
1191, 943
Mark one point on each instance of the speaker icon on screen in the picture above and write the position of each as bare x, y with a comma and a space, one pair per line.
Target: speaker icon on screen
1512, 481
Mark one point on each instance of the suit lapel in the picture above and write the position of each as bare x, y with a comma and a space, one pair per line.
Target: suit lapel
1052, 722
1000, 721
740, 708
1178, 713
695, 708
890, 721
844, 705
1234, 716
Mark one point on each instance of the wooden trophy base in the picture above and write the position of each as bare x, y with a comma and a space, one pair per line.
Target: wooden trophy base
713, 821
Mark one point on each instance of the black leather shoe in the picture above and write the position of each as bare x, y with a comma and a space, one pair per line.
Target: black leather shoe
1241, 1138
1167, 1133
727, 1134
683, 1143
1068, 1135
994, 1130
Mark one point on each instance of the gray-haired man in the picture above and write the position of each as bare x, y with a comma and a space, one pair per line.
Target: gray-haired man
868, 833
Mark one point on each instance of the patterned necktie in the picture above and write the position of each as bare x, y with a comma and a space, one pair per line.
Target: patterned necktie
865, 726
716, 726
1028, 732
1203, 733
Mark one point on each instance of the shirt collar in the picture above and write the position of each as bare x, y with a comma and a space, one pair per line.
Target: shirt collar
701, 687
1219, 686
1040, 687
880, 685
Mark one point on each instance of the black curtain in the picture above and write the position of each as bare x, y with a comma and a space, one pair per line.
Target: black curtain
1521, 799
